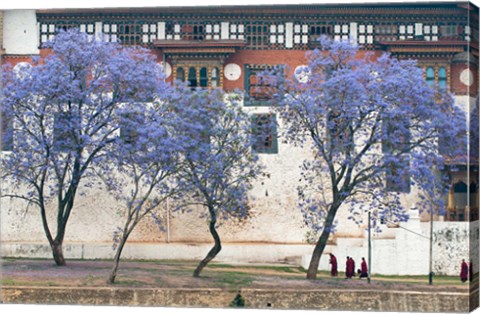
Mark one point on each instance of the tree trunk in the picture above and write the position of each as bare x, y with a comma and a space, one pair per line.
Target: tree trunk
321, 243
215, 249
116, 261
57, 252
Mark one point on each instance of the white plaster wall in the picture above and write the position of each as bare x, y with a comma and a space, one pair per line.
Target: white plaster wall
452, 244
94, 218
408, 252
20, 33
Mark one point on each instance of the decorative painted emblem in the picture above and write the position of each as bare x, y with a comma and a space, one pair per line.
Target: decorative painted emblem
22, 69
232, 71
466, 77
302, 73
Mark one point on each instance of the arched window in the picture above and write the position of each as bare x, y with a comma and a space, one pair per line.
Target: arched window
460, 195
215, 77
181, 74
442, 77
203, 77
192, 77
430, 76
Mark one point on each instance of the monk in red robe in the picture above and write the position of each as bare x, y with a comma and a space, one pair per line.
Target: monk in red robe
363, 269
464, 271
333, 262
348, 268
352, 267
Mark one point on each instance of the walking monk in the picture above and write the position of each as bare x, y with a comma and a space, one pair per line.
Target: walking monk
333, 262
348, 266
464, 271
352, 266
364, 269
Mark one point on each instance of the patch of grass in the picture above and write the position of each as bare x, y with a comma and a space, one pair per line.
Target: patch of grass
130, 283
12, 282
285, 269
215, 265
8, 282
232, 279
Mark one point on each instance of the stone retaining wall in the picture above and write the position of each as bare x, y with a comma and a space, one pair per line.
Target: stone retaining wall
398, 301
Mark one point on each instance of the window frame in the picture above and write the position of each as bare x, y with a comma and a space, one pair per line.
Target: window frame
252, 70
272, 132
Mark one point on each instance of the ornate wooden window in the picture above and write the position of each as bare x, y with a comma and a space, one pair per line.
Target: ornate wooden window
341, 32
129, 32
300, 35
365, 34
277, 35
212, 31
430, 76
110, 32
237, 31
149, 32
265, 133
203, 77
172, 30
199, 75
386, 32
49, 29
442, 77
180, 74
450, 31
316, 31
437, 75
215, 77
405, 31
192, 77
430, 32
258, 90
257, 32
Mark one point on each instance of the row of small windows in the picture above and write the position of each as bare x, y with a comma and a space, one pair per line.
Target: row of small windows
259, 34
199, 76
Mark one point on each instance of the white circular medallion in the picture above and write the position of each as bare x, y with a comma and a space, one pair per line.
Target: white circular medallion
167, 69
22, 69
466, 77
232, 71
302, 73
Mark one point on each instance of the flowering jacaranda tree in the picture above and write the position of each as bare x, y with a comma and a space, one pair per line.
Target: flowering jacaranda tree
146, 158
219, 164
64, 120
373, 126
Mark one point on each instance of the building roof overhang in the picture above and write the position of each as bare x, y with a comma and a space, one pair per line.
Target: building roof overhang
198, 49
418, 8
419, 48
199, 44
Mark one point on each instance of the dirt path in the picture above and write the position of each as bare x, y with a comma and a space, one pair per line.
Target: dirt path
178, 274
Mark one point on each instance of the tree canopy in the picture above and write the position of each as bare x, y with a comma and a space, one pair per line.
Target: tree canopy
374, 128
64, 119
